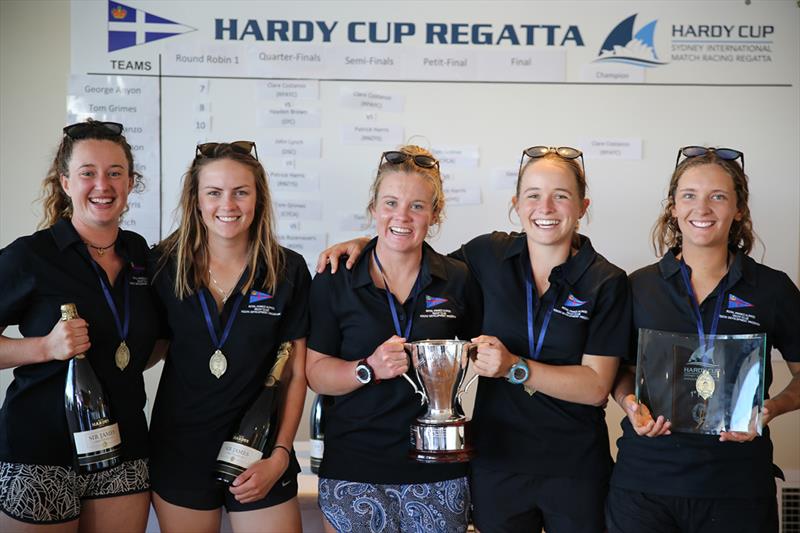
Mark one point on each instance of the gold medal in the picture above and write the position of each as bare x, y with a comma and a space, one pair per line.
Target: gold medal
218, 364
122, 356
705, 385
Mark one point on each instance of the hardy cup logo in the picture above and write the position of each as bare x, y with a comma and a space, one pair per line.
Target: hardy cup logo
131, 27
622, 46
734, 302
433, 301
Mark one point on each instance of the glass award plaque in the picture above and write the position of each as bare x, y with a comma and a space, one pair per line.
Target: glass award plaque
705, 386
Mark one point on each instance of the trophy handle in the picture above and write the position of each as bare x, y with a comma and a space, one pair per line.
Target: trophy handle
471, 351
409, 349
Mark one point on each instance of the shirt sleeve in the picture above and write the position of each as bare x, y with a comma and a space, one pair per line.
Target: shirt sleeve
295, 320
326, 336
786, 337
610, 326
474, 307
17, 284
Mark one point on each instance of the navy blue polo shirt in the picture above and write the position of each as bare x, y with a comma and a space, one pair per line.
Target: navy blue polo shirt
38, 274
682, 464
194, 411
541, 435
367, 431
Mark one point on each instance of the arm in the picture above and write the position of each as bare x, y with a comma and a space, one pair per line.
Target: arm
351, 248
588, 383
65, 340
336, 377
786, 401
255, 482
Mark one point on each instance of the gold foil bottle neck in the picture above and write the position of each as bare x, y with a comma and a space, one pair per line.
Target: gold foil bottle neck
284, 351
69, 312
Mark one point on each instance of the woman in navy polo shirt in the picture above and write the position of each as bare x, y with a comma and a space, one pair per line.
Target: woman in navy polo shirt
84, 257
400, 290
232, 295
555, 323
674, 482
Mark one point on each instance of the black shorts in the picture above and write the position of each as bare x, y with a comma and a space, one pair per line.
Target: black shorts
633, 512
507, 502
45, 494
215, 495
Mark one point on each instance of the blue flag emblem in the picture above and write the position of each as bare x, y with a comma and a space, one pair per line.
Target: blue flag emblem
573, 302
128, 27
257, 296
734, 302
433, 301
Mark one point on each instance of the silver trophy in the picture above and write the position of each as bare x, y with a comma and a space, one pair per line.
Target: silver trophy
441, 435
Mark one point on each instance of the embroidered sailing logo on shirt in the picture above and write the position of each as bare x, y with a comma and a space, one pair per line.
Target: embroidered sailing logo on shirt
433, 301
257, 296
734, 302
138, 276
573, 302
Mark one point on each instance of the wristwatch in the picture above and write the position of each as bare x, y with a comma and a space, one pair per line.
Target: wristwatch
364, 373
519, 372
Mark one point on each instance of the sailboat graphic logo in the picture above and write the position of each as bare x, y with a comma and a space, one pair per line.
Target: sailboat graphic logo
622, 46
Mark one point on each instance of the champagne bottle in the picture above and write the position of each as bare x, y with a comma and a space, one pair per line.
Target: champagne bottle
317, 431
95, 435
258, 428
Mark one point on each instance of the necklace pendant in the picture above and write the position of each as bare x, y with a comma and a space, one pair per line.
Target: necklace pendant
218, 364
122, 356
101, 251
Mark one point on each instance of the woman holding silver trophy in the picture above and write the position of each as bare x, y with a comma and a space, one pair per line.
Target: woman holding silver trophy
555, 322
399, 291
671, 477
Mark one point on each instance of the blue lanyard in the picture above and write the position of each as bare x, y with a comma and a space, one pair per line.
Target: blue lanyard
534, 353
219, 342
390, 298
696, 309
122, 325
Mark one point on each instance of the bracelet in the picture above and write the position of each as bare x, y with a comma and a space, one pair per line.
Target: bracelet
282, 447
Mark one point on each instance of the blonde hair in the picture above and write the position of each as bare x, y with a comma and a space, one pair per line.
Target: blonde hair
188, 244
430, 175
667, 235
55, 202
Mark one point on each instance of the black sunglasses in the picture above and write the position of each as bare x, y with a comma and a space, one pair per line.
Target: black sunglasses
726, 154
81, 130
240, 147
564, 152
395, 157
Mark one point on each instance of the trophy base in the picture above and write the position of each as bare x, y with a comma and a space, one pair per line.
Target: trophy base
441, 442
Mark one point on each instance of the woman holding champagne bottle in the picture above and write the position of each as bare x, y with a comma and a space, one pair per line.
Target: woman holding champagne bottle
82, 256
232, 295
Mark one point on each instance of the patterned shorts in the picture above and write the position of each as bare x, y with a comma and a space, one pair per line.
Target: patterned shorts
50, 494
440, 507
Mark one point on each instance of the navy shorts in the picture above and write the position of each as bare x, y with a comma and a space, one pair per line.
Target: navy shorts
438, 507
507, 502
629, 511
44, 494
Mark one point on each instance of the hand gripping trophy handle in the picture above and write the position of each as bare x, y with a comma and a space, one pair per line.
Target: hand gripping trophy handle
409, 349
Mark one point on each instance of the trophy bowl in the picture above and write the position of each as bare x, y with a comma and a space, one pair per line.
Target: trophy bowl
442, 434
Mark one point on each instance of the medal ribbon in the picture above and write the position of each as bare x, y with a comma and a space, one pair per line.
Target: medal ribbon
219, 342
122, 325
533, 353
696, 308
390, 298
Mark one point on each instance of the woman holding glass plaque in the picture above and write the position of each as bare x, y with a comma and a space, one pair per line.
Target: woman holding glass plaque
555, 323
705, 284
401, 290
81, 256
231, 295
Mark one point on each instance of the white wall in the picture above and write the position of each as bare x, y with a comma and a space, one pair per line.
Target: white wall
34, 64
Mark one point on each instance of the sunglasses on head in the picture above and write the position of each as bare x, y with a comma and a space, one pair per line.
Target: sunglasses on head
240, 147
726, 154
395, 157
81, 130
564, 152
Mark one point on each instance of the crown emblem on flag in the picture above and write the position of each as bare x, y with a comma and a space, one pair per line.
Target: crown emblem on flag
119, 12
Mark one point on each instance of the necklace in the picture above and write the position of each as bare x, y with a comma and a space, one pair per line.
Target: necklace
225, 294
101, 250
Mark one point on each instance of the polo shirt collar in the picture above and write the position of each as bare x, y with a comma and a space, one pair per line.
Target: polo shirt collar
742, 267
572, 269
65, 235
432, 265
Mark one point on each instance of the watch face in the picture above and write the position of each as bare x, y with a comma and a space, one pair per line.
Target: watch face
520, 374
363, 374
